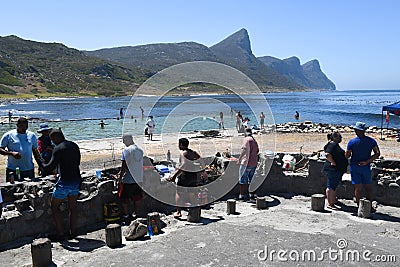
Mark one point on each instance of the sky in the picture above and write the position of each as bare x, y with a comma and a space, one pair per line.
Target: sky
356, 42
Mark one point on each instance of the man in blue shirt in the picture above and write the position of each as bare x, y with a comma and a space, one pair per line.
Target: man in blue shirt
19, 145
359, 149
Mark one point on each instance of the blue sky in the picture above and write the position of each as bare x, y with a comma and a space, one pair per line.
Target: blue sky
356, 42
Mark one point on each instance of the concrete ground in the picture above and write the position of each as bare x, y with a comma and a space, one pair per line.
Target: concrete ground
287, 233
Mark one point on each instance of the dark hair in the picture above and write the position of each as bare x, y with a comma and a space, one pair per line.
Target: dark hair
184, 142
22, 120
332, 135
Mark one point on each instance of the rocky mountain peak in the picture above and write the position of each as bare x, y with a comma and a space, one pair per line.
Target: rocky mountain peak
239, 39
312, 65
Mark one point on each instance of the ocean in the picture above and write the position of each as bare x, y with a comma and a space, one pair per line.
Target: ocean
79, 117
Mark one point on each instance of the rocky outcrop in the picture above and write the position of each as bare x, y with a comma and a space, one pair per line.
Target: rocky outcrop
309, 74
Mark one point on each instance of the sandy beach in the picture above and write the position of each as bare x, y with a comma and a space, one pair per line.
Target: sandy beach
106, 153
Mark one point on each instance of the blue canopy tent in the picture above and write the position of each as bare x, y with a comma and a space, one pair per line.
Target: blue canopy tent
392, 108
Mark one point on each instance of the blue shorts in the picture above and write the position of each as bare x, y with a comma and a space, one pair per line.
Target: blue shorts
62, 191
360, 174
334, 178
246, 174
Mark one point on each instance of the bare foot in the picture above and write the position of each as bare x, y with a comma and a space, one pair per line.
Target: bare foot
177, 215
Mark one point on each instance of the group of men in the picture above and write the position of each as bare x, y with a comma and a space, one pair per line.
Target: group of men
20, 144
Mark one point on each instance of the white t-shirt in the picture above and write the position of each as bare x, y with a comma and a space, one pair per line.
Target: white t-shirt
133, 156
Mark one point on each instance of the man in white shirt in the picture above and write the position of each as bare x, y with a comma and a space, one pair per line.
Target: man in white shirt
130, 176
150, 127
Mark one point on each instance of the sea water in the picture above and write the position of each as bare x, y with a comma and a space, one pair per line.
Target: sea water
79, 117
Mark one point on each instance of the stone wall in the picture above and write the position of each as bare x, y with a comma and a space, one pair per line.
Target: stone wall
28, 213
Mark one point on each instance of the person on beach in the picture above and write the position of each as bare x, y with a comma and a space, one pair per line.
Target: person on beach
297, 115
121, 112
150, 124
221, 120
19, 145
9, 116
359, 151
334, 167
142, 111
188, 173
66, 158
45, 145
130, 177
262, 118
239, 119
248, 160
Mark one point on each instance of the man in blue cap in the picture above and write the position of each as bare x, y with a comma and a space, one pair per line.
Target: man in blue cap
359, 149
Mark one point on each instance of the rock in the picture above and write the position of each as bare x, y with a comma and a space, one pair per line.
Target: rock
394, 185
106, 186
22, 204
10, 207
135, 230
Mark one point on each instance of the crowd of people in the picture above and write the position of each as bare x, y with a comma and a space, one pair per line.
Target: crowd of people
55, 155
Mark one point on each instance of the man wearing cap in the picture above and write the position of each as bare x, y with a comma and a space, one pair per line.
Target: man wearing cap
248, 160
66, 157
19, 145
45, 146
359, 151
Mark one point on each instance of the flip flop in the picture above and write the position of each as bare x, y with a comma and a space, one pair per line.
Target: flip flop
332, 207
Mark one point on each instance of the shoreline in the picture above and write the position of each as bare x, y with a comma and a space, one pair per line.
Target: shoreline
106, 152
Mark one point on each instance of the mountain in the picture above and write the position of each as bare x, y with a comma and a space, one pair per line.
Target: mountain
308, 75
29, 68
156, 57
234, 51
35, 68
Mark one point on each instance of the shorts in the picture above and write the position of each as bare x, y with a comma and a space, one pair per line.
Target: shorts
360, 174
130, 191
62, 191
246, 174
334, 178
188, 179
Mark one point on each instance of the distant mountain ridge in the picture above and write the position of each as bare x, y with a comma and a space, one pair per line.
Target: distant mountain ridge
308, 75
29, 67
235, 51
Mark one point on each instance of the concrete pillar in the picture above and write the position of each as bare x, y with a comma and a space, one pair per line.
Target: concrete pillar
261, 203
113, 235
154, 219
318, 202
194, 214
364, 208
230, 206
41, 252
